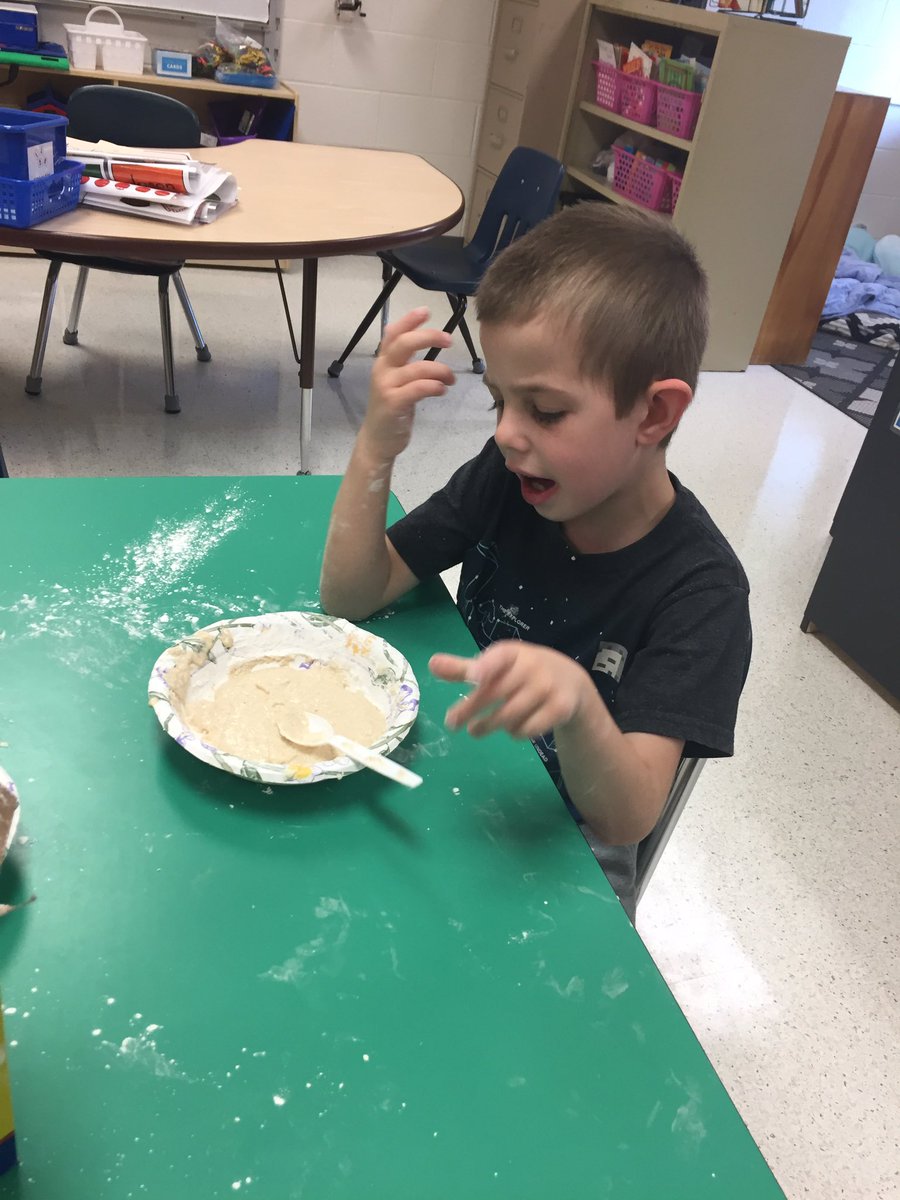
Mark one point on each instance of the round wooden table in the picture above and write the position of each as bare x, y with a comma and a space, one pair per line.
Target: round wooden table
295, 201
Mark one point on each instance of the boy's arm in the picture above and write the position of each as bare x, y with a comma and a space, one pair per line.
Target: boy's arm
618, 781
361, 570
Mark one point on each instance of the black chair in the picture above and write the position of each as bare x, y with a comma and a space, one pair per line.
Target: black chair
524, 194
129, 117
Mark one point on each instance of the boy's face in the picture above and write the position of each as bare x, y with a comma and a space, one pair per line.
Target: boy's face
557, 431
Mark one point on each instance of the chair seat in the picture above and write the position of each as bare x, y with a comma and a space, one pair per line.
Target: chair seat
121, 266
442, 265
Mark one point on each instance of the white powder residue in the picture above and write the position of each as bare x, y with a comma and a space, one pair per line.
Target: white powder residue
147, 591
142, 1051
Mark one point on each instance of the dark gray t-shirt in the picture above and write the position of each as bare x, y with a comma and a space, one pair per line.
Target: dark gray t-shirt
662, 626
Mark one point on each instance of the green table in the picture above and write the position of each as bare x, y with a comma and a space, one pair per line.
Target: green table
345, 990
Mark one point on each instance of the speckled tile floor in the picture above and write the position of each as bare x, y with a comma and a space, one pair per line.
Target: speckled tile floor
773, 915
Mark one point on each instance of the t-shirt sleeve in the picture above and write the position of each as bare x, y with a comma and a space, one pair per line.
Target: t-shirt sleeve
686, 679
437, 534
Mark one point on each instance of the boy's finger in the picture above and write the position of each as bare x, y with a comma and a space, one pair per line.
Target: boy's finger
453, 668
399, 350
420, 369
511, 715
477, 703
422, 389
410, 320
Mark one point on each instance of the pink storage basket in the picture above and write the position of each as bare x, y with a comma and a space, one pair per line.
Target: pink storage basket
677, 111
642, 181
609, 86
638, 101
631, 95
676, 188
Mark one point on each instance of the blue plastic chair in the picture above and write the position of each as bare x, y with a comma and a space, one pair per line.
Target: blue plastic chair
525, 193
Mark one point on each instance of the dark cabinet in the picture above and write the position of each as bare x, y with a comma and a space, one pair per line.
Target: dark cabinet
856, 599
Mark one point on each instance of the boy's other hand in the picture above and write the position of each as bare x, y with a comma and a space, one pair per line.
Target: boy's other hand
524, 689
399, 382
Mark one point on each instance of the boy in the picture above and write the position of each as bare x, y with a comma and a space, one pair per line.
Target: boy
611, 613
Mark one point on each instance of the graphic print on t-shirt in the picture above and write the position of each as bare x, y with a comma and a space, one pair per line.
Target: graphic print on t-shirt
610, 659
489, 621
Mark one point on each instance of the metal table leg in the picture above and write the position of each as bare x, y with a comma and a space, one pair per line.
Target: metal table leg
305, 356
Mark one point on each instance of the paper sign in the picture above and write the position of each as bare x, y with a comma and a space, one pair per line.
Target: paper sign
40, 160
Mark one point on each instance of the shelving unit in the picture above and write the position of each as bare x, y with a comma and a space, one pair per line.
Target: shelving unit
196, 93
745, 169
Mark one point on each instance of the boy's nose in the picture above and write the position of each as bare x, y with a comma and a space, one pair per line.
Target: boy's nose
509, 434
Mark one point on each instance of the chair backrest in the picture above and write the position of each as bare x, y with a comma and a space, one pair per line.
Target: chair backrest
525, 193
650, 849
132, 117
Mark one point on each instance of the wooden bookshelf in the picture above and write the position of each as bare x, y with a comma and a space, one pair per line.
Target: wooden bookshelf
745, 169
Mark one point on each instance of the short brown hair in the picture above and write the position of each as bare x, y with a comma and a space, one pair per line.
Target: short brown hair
628, 284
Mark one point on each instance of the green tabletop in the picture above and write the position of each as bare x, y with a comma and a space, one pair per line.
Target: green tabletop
338, 990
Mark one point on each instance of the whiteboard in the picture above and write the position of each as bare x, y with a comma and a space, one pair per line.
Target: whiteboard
240, 10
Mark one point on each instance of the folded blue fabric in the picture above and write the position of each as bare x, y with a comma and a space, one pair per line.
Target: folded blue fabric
861, 287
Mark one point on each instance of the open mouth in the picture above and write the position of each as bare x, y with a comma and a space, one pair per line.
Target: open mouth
536, 490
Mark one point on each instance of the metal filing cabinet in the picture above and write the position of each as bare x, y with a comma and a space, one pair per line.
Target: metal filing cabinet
533, 50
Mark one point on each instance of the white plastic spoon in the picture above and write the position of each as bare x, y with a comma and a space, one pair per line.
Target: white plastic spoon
308, 729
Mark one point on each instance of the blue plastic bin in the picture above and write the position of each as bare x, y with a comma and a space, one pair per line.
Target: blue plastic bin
26, 202
20, 133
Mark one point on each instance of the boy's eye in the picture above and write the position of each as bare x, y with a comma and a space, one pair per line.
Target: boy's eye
547, 418
496, 403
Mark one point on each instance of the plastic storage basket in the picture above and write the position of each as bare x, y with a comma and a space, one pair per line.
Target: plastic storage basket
631, 95
103, 46
26, 202
677, 110
236, 120
642, 181
609, 86
638, 99
31, 144
676, 188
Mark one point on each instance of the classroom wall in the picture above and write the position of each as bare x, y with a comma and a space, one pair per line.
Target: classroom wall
871, 66
409, 76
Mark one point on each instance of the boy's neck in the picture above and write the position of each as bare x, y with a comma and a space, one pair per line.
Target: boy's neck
627, 515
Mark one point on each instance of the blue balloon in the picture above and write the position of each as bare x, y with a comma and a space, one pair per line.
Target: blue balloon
861, 242
887, 254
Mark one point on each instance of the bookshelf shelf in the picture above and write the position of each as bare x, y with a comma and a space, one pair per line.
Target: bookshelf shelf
658, 135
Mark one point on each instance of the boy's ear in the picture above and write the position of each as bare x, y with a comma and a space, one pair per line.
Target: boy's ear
666, 401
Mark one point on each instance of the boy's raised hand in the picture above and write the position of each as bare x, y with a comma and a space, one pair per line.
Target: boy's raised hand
399, 382
521, 688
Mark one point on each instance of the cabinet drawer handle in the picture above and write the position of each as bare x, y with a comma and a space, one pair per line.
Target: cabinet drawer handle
510, 54
496, 140
502, 113
516, 25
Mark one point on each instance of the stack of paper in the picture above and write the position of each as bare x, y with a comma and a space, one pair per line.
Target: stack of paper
165, 185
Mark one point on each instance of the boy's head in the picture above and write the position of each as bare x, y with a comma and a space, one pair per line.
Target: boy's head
623, 286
